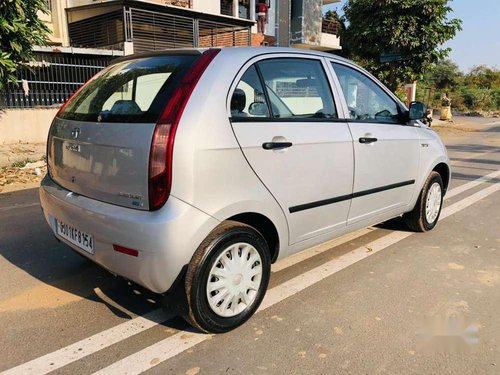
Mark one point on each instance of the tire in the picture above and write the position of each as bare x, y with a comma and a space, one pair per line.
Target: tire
418, 219
244, 277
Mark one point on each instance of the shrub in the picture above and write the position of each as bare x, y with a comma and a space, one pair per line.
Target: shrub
477, 99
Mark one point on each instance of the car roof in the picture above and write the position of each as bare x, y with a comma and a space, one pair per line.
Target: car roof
244, 53
256, 51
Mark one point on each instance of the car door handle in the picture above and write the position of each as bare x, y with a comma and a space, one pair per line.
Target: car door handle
367, 140
275, 145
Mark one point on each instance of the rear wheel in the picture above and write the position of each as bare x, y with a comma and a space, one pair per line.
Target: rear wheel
425, 214
227, 278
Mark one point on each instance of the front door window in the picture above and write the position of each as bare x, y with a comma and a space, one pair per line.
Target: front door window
365, 99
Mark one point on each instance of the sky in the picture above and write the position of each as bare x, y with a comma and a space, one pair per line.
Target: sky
479, 41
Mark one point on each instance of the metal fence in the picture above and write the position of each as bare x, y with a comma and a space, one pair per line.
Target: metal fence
104, 30
155, 31
150, 30
50, 79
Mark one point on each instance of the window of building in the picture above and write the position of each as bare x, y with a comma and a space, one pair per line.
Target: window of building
244, 9
226, 7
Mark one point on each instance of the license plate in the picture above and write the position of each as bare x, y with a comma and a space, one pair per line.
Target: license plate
81, 239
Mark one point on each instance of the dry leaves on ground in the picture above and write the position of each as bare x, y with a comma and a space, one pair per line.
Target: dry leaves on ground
17, 176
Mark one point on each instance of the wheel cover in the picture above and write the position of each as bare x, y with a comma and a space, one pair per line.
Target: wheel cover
433, 203
234, 280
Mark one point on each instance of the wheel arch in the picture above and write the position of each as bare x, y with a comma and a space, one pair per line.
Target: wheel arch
444, 170
265, 226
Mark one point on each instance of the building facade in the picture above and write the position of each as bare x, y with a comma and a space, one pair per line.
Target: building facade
199, 23
87, 34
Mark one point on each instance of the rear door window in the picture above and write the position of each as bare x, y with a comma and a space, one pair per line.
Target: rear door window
297, 89
129, 91
248, 100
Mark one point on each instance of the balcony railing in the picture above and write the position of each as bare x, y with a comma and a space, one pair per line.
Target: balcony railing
330, 27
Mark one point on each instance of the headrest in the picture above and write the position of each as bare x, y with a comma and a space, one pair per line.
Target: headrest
239, 100
125, 107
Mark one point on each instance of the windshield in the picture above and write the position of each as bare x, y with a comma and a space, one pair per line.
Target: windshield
129, 91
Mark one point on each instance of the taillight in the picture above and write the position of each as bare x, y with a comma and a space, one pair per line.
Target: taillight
162, 144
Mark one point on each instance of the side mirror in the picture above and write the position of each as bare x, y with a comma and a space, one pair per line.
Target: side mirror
257, 109
417, 111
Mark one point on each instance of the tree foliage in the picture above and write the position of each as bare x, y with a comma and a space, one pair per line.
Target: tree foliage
477, 90
484, 77
20, 30
416, 30
444, 75
332, 15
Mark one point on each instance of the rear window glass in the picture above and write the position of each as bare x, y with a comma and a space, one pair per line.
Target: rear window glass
129, 91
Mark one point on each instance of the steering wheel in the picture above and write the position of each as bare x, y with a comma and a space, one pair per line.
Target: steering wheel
320, 113
384, 113
352, 112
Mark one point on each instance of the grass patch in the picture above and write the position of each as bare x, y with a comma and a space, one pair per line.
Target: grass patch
22, 163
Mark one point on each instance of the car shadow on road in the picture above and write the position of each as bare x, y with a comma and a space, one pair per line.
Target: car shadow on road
456, 166
396, 224
28, 243
471, 177
477, 161
493, 129
473, 148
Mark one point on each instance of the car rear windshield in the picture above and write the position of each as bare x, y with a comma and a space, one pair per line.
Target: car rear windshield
129, 91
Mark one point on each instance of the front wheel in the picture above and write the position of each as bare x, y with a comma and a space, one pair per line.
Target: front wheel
227, 278
425, 214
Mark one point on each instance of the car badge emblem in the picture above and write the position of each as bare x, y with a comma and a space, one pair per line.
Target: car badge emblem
75, 133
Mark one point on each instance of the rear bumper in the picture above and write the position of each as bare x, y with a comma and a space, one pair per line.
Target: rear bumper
166, 239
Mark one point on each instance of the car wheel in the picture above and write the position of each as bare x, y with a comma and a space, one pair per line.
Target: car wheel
425, 214
227, 278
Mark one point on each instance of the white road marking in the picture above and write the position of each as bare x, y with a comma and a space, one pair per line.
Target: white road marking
471, 199
318, 249
163, 350
90, 345
149, 357
95, 343
469, 185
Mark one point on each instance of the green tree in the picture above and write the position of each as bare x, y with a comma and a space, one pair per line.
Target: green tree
415, 30
484, 77
20, 30
445, 76
332, 15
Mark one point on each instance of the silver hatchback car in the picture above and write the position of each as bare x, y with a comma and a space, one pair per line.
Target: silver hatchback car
197, 169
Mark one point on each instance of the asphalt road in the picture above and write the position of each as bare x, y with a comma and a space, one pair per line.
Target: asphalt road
382, 300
